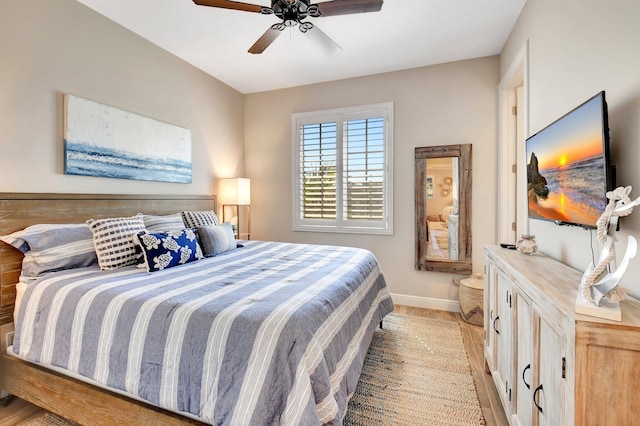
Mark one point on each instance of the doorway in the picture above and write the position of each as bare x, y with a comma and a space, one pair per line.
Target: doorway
513, 129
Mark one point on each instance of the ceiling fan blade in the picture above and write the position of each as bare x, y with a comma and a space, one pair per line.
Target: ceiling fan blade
346, 7
330, 46
228, 4
264, 41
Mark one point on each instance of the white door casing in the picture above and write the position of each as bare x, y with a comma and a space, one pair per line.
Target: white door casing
513, 129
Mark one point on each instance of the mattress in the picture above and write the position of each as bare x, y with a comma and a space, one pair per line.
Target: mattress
268, 333
20, 289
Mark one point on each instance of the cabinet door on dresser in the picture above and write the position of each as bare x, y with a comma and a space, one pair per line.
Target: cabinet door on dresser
500, 336
523, 313
539, 363
549, 370
491, 309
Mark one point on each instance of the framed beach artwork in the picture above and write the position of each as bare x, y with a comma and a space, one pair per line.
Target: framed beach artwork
104, 141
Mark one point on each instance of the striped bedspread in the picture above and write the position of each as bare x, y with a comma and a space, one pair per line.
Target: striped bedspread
270, 333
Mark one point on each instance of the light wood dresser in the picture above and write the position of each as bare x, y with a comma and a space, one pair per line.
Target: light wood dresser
550, 365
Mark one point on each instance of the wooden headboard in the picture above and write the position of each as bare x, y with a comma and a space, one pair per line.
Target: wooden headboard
19, 210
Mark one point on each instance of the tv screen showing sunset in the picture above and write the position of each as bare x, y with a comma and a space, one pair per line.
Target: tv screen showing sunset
566, 171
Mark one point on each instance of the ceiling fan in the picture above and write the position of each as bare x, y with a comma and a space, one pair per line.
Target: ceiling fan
292, 12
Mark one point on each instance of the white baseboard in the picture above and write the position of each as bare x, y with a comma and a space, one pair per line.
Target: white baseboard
426, 302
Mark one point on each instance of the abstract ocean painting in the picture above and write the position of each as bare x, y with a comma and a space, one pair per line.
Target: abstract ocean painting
104, 141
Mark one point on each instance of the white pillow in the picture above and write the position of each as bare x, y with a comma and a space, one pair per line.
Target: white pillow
166, 223
113, 240
193, 219
446, 212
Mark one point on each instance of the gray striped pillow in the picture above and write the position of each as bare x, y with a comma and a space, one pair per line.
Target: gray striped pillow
166, 223
194, 219
216, 239
53, 247
113, 240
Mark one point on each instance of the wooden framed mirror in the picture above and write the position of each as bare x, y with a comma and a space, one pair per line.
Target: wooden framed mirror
443, 208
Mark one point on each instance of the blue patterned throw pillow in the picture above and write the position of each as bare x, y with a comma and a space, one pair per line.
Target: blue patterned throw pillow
163, 250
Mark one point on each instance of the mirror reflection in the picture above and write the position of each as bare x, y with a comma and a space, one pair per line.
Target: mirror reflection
441, 202
443, 208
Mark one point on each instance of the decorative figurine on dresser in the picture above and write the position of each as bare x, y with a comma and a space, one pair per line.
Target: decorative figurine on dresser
599, 294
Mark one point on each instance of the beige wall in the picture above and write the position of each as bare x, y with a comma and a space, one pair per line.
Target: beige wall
52, 47
444, 104
436, 204
577, 48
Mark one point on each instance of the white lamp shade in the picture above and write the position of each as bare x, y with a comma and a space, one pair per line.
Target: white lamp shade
234, 191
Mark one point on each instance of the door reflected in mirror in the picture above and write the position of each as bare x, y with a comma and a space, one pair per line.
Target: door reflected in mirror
443, 208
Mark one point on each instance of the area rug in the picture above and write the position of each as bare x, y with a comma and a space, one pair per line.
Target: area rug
416, 373
49, 419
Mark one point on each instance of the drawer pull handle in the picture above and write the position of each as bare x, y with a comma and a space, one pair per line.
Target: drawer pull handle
528, 367
494, 324
539, 388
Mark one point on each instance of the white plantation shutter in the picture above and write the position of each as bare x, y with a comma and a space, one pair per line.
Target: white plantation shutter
363, 169
342, 170
318, 170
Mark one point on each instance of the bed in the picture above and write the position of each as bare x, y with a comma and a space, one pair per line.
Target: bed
268, 333
442, 235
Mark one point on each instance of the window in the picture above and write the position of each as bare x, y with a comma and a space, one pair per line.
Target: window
342, 170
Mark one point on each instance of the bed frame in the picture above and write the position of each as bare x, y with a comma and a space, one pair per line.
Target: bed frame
74, 399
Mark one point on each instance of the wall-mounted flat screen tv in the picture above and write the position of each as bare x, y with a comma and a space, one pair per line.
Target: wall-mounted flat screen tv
568, 171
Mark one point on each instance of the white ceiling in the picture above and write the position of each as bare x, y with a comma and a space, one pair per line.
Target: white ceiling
404, 34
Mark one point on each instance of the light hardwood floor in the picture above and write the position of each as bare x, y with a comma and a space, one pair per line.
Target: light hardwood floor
20, 412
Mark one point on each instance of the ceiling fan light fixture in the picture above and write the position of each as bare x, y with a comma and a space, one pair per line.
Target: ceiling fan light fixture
305, 26
313, 11
290, 18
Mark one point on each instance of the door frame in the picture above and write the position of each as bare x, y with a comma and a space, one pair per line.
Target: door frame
509, 195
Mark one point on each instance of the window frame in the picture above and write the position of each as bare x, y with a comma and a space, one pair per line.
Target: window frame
340, 116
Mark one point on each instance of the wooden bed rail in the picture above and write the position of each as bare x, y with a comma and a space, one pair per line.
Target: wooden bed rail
79, 401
